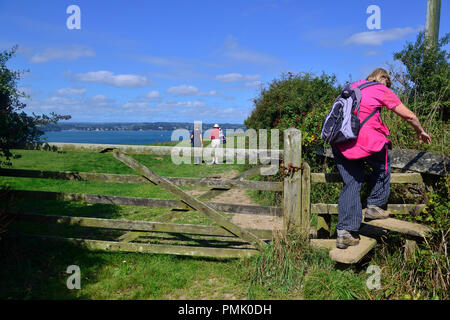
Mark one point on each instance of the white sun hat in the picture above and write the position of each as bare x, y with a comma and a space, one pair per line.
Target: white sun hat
216, 126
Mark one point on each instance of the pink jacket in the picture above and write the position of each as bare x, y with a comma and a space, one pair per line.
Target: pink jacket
373, 135
214, 134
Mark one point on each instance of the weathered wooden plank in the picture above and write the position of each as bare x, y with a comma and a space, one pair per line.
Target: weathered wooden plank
247, 208
70, 175
292, 183
237, 153
305, 199
138, 225
353, 254
135, 179
395, 177
191, 201
98, 198
326, 208
144, 202
214, 252
406, 227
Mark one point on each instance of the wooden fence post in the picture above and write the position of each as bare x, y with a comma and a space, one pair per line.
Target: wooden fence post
305, 200
292, 183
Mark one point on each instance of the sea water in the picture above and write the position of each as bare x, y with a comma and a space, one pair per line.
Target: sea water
108, 137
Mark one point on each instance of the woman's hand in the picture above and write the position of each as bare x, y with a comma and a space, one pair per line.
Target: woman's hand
423, 137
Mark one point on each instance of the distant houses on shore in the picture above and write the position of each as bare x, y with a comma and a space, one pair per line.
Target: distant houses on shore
134, 126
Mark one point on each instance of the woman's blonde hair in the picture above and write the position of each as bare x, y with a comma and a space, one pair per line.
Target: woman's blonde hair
379, 74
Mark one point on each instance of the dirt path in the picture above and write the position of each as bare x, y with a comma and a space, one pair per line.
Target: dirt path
240, 196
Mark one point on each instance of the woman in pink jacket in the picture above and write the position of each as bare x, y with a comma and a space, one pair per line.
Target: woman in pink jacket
370, 147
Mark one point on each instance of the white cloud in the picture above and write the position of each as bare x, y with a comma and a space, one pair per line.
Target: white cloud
236, 77
67, 54
73, 105
185, 90
100, 107
120, 80
71, 91
136, 106
152, 94
377, 38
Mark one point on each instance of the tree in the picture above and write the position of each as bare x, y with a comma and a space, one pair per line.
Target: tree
296, 100
422, 83
427, 72
16, 127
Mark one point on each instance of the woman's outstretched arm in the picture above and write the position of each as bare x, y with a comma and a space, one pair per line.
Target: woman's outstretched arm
412, 119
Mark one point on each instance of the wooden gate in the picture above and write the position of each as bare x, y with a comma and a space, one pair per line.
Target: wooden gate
224, 239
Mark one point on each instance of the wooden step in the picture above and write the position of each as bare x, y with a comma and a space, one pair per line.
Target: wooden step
352, 254
410, 228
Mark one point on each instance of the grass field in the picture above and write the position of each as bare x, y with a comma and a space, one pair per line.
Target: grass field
31, 269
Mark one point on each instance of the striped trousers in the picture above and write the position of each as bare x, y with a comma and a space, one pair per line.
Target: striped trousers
352, 173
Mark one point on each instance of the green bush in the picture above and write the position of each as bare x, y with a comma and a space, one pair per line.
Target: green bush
296, 100
422, 83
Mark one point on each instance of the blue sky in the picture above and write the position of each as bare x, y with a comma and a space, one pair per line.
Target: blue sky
148, 61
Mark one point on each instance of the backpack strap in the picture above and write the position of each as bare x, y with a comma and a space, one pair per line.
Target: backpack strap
367, 84
378, 109
371, 115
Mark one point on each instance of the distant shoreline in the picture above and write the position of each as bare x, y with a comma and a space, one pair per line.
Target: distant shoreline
131, 126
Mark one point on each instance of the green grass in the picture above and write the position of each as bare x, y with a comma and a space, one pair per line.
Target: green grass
31, 269
36, 270
290, 268
331, 284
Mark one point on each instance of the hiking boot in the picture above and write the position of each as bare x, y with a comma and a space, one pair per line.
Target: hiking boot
374, 212
346, 238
